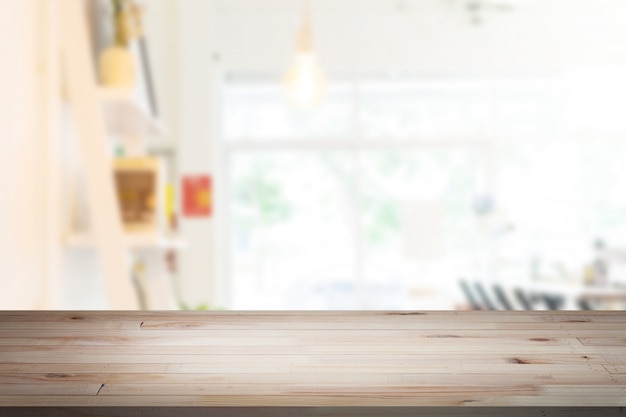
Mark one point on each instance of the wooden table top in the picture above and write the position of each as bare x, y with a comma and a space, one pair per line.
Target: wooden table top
316, 359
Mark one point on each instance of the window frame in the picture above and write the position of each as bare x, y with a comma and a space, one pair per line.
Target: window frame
353, 143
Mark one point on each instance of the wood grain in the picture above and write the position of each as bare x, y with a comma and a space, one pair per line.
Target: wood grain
312, 361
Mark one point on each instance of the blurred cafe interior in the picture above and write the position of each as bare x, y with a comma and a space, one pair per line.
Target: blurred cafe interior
313, 154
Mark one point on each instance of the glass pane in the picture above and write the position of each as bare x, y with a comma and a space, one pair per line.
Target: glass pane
424, 109
292, 240
596, 104
261, 111
420, 224
591, 104
529, 107
558, 214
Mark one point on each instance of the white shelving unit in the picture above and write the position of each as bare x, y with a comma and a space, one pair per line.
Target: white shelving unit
102, 116
124, 115
133, 241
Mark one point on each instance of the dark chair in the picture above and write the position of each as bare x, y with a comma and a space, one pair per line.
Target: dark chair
502, 298
553, 301
486, 301
523, 299
469, 295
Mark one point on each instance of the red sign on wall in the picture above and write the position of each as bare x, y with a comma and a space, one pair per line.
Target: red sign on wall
197, 196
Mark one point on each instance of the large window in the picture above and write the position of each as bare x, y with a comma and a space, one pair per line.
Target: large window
392, 190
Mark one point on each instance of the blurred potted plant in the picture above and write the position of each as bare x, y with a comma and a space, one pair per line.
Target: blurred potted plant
200, 307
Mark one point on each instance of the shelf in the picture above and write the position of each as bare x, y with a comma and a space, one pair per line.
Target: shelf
165, 148
134, 241
125, 115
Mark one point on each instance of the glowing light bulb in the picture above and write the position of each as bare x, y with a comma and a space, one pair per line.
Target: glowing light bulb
304, 81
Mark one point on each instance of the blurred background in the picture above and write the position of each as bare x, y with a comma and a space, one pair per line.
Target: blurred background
321, 154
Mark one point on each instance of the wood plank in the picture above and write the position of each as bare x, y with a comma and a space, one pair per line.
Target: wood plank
96, 337
603, 341
551, 376
616, 368
474, 411
284, 338
429, 367
416, 356
49, 388
111, 315
439, 399
385, 324
319, 324
23, 353
328, 368
304, 391
68, 368
311, 319
448, 356
580, 395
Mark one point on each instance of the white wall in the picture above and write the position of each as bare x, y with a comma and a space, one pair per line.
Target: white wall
424, 35
196, 139
22, 161
180, 41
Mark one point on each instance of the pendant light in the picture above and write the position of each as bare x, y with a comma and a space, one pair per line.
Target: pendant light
304, 81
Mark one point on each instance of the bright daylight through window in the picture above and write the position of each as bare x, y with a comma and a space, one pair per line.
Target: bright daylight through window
395, 188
